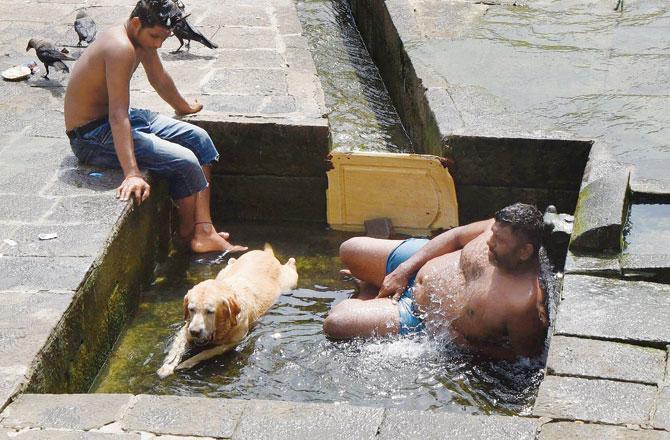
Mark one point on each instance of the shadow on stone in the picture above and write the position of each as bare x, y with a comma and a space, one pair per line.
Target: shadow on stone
185, 56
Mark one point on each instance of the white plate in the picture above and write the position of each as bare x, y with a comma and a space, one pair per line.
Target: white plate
16, 73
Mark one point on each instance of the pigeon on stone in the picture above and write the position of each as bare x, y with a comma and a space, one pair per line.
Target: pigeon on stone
85, 28
183, 30
49, 55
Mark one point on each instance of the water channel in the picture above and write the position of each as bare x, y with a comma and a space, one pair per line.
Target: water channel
286, 355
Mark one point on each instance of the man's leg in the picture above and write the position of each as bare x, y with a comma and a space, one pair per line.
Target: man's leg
366, 258
358, 318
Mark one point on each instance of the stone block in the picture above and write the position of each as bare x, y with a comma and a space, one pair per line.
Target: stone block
594, 400
248, 59
247, 82
48, 434
24, 208
26, 321
43, 273
587, 264
296, 149
600, 212
481, 202
399, 425
80, 181
526, 163
604, 308
605, 360
650, 266
82, 240
66, 411
246, 38
285, 420
662, 414
11, 380
582, 431
184, 416
269, 198
99, 209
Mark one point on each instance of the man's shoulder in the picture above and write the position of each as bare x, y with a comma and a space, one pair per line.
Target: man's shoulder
115, 42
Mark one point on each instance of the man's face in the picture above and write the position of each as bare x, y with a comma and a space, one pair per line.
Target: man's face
152, 37
506, 250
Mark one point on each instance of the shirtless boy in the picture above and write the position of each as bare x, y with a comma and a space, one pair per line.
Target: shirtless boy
105, 132
479, 283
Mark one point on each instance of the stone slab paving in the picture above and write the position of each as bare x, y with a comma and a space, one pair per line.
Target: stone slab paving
614, 309
595, 400
605, 360
582, 431
596, 73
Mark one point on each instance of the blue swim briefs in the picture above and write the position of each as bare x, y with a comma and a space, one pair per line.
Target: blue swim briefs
410, 322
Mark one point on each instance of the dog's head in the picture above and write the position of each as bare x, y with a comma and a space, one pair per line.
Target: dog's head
210, 312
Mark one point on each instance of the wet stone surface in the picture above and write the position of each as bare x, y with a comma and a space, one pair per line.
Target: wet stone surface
411, 425
49, 434
594, 400
605, 360
184, 416
583, 264
581, 431
83, 411
614, 309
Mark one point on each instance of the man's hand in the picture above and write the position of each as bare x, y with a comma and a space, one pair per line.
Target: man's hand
394, 284
192, 108
135, 187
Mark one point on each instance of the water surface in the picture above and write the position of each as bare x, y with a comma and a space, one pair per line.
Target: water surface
286, 355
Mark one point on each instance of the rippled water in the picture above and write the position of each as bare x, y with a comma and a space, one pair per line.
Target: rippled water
286, 356
360, 111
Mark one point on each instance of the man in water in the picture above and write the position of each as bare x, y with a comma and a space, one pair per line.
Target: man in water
105, 132
479, 283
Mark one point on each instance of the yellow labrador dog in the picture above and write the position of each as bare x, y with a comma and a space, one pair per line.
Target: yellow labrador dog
219, 312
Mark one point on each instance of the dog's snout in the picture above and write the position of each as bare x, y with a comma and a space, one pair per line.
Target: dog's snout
196, 333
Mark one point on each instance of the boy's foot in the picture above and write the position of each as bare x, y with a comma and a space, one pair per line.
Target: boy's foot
364, 290
206, 239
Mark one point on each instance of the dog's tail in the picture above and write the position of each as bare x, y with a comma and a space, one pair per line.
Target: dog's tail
268, 248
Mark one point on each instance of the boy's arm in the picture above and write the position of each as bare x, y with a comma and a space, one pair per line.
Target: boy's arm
162, 82
119, 65
395, 282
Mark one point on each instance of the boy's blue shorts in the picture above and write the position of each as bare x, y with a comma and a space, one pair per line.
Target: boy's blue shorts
410, 322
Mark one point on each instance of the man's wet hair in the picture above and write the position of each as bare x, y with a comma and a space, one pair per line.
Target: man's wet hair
525, 220
164, 13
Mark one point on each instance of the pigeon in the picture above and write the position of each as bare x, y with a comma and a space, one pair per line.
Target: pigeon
49, 55
85, 27
183, 30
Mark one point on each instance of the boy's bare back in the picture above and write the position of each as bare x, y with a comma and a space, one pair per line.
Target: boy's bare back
86, 97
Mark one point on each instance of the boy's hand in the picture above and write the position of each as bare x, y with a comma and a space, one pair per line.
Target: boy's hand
135, 187
192, 108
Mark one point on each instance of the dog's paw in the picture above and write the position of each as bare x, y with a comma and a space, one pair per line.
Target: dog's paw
165, 371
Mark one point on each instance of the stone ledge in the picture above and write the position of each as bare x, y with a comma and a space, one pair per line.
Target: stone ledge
604, 308
605, 360
662, 414
582, 431
410, 425
594, 400
67, 411
600, 213
289, 421
184, 415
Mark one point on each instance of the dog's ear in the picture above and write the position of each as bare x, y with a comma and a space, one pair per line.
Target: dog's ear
233, 309
185, 307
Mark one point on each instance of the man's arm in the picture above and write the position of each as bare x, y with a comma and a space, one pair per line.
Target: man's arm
449, 241
119, 65
162, 82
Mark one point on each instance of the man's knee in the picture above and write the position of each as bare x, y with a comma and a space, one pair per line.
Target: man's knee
351, 249
338, 323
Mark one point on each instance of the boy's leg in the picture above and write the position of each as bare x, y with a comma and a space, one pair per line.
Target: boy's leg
194, 212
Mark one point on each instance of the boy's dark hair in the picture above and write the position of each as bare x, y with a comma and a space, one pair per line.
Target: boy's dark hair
525, 220
164, 13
